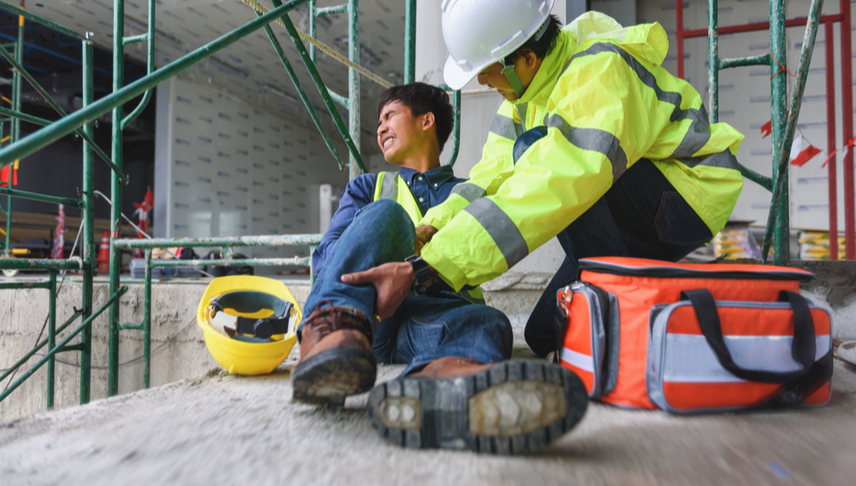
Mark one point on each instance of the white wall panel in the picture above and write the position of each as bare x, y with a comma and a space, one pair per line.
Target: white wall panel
235, 170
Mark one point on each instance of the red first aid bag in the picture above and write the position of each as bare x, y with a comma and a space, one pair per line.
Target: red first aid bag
691, 338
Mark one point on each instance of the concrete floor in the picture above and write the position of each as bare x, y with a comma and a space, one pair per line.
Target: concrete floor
225, 430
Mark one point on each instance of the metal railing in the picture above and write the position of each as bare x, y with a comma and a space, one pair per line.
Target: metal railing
80, 122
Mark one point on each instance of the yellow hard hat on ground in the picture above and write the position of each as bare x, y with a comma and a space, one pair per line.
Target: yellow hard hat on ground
248, 322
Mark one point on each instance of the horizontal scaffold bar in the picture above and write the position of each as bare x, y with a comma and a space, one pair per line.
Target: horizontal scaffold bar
40, 264
41, 20
74, 203
745, 61
264, 240
24, 285
49, 134
256, 262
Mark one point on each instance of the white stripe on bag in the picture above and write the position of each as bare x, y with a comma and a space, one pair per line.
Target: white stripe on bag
689, 359
579, 360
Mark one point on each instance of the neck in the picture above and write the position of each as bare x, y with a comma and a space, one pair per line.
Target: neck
423, 161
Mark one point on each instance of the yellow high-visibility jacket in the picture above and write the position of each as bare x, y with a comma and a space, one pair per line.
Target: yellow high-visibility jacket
390, 185
607, 103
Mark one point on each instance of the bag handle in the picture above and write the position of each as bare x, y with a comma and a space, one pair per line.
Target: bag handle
803, 349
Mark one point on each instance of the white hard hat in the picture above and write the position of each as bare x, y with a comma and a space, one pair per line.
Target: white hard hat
479, 33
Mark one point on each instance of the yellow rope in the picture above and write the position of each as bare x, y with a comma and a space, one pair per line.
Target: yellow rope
324, 48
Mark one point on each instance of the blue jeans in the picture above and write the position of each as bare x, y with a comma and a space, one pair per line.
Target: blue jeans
425, 327
642, 215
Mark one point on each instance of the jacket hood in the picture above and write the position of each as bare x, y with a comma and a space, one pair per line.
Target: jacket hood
645, 41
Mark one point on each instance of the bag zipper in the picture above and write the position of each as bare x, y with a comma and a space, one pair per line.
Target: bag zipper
672, 272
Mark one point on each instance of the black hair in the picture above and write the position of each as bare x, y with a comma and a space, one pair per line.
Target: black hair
540, 47
423, 98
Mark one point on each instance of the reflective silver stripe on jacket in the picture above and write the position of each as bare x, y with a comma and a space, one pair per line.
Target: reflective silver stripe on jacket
468, 191
699, 132
501, 228
389, 188
521, 112
593, 139
505, 127
724, 159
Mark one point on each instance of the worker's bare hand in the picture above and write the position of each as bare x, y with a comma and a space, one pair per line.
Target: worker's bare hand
424, 234
392, 282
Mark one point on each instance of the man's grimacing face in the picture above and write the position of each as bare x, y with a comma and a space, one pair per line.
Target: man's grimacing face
398, 131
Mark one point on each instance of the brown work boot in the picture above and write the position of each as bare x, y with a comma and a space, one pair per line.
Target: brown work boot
512, 407
336, 357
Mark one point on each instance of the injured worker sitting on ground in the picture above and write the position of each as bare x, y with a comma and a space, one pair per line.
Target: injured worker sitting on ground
441, 334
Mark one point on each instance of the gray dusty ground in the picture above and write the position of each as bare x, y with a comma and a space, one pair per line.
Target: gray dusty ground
228, 430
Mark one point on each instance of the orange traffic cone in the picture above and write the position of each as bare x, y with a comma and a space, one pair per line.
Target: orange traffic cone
104, 254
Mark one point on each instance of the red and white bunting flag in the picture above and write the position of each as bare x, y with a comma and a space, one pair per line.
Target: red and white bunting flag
806, 155
766, 129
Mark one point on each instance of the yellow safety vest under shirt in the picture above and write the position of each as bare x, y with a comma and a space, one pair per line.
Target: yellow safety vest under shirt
390, 185
606, 102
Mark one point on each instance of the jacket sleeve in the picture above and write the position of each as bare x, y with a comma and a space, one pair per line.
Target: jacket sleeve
495, 166
358, 193
601, 118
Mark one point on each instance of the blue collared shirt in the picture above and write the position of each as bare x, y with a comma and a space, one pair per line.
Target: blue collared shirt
429, 189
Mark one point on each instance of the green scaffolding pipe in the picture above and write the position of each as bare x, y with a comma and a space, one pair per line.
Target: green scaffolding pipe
24, 285
778, 221
456, 132
41, 20
331, 10
51, 339
23, 116
30, 79
116, 133
409, 41
39, 346
350, 140
150, 66
74, 203
88, 250
40, 264
745, 61
294, 79
134, 39
762, 180
342, 100
267, 240
262, 262
69, 124
354, 109
65, 341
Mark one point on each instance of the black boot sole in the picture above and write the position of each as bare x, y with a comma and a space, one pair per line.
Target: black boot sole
328, 377
514, 407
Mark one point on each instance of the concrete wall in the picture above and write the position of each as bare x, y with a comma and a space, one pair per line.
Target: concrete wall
174, 309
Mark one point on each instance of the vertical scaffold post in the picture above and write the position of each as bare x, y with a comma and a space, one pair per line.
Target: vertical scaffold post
116, 195
147, 321
313, 28
354, 82
410, 41
88, 250
779, 114
51, 337
713, 58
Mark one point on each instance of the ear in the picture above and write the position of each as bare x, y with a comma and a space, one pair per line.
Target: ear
530, 59
428, 120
